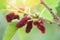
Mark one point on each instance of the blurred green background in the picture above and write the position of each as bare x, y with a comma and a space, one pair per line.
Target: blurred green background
8, 31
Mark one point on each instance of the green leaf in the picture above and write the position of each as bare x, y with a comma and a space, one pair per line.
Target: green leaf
3, 25
10, 31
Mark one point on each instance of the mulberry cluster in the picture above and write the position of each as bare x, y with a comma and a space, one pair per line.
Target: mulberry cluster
26, 20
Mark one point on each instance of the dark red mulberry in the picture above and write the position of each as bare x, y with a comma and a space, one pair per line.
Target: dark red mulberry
40, 26
23, 21
9, 16
29, 26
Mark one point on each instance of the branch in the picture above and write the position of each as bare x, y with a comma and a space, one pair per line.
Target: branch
50, 10
51, 22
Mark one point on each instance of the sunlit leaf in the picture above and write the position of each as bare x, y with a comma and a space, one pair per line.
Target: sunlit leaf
10, 31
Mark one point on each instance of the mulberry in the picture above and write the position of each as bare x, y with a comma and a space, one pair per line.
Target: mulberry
40, 26
22, 22
11, 16
29, 26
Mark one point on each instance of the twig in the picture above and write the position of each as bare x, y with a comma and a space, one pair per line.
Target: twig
50, 10
51, 22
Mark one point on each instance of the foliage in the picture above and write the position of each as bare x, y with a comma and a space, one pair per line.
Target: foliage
8, 31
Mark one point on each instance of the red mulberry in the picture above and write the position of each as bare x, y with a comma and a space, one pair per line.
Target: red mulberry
29, 26
40, 26
11, 16
22, 22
